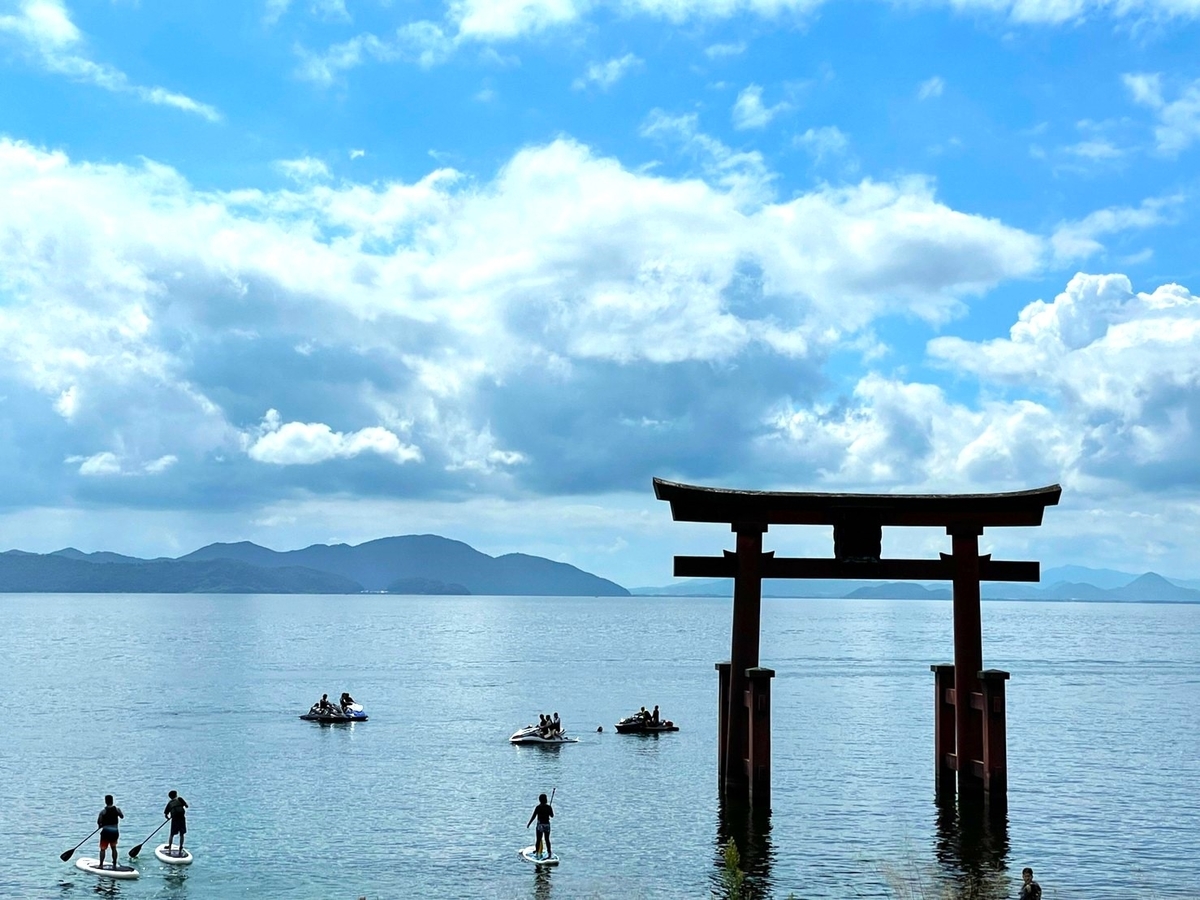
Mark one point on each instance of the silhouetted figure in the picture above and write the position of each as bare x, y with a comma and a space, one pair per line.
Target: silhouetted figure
543, 812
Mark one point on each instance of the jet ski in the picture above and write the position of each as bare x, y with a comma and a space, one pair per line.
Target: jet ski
639, 724
335, 715
533, 734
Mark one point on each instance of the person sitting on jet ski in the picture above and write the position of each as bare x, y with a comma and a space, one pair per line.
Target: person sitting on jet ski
346, 701
556, 725
323, 705
543, 725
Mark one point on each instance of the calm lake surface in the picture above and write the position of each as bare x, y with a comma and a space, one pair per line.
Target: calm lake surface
135, 695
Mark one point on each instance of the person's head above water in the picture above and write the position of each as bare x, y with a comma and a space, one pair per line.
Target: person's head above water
541, 798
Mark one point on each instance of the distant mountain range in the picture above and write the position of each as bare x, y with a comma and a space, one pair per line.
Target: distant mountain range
411, 564
429, 564
1061, 583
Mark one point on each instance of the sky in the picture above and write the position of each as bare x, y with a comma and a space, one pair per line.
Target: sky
311, 271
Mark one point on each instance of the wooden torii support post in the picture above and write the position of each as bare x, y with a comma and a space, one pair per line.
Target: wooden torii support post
969, 736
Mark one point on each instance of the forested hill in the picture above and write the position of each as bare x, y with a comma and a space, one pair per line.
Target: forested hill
411, 564
58, 574
379, 565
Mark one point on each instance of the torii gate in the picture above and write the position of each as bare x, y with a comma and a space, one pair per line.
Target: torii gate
969, 737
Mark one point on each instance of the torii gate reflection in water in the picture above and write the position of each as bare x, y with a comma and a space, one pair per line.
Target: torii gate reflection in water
969, 736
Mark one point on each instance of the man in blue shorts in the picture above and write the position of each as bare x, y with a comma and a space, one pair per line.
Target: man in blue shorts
543, 812
109, 832
175, 811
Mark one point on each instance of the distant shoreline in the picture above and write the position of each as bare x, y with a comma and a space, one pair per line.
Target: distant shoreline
937, 599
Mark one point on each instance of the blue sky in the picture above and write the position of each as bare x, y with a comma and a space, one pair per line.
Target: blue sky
327, 270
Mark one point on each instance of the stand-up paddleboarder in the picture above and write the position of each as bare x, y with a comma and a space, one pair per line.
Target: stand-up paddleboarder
110, 832
176, 811
543, 812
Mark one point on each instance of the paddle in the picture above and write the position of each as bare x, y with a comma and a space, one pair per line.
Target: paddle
138, 849
67, 854
550, 802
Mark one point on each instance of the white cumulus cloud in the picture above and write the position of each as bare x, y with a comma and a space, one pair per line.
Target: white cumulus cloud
516, 327
307, 443
1097, 389
1122, 366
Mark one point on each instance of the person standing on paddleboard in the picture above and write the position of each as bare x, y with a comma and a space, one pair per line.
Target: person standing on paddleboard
109, 831
175, 810
543, 812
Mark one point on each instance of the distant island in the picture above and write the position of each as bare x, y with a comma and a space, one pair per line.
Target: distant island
409, 564
1077, 583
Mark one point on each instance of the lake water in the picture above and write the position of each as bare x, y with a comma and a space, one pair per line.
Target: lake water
135, 695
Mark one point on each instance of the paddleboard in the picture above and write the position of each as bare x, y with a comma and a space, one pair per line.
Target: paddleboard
88, 864
530, 854
175, 858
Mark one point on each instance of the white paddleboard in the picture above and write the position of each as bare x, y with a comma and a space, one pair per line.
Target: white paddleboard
88, 864
175, 858
530, 854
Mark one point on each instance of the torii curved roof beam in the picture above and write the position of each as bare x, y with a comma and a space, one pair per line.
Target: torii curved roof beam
692, 503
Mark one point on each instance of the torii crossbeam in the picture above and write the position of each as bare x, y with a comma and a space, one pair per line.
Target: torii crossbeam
969, 736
